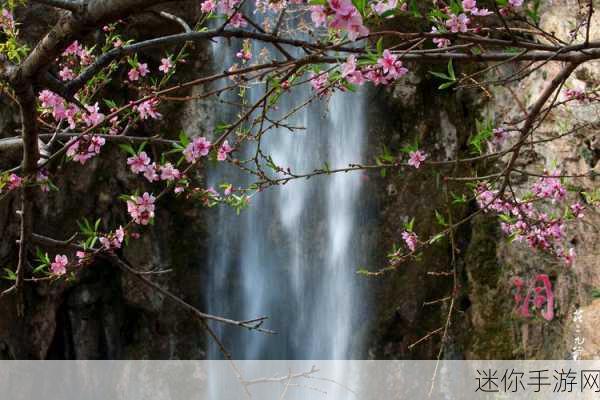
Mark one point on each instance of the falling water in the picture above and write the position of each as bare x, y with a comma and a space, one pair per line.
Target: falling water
293, 254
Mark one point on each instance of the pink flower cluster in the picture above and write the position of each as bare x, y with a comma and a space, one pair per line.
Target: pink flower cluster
42, 179
383, 6
199, 147
227, 7
165, 65
523, 222
416, 158
85, 147
77, 50
458, 23
499, 136
550, 187
147, 109
387, 70
59, 266
224, 151
142, 164
7, 21
244, 55
470, 7
411, 240
141, 208
61, 110
535, 297
575, 94
320, 83
140, 70
113, 240
344, 16
512, 5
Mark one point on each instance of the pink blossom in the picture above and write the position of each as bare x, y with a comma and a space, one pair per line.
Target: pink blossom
113, 240
169, 173
391, 66
165, 65
59, 266
73, 49
223, 151
93, 116
577, 209
70, 113
14, 182
147, 109
133, 74
383, 6
49, 99
410, 239
7, 20
440, 42
318, 15
85, 147
143, 69
458, 23
139, 163
150, 173
198, 148
66, 74
120, 234
575, 94
41, 179
319, 83
469, 4
515, 3
141, 208
351, 73
244, 54
416, 158
96, 142
82, 257
118, 43
238, 21
227, 6
549, 187
347, 18
481, 12
208, 6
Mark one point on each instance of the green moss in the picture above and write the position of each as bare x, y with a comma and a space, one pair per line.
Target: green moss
481, 253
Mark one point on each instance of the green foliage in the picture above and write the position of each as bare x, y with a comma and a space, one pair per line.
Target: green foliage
10, 275
484, 133
89, 232
450, 77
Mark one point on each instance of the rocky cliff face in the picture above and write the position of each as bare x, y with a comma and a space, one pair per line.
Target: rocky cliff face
105, 314
485, 325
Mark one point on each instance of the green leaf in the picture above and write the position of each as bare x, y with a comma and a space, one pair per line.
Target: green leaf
436, 238
441, 75
446, 85
440, 219
380, 46
127, 148
451, 70
10, 275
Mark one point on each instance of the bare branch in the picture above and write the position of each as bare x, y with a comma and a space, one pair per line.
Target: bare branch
70, 5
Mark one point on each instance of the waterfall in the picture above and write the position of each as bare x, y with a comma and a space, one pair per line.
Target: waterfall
293, 253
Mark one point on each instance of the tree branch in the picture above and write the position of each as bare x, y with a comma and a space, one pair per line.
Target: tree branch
74, 6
